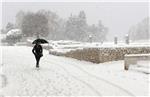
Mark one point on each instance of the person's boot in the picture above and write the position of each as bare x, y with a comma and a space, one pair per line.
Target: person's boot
37, 66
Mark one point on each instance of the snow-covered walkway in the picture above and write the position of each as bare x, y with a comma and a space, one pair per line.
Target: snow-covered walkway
66, 76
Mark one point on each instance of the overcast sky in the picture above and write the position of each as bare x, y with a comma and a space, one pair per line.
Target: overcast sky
117, 16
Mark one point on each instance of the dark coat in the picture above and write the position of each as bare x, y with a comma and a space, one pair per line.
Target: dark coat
37, 50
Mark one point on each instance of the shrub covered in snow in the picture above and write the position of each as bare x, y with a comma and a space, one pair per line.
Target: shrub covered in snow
13, 36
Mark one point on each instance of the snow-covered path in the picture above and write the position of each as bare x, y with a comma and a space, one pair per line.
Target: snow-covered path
57, 76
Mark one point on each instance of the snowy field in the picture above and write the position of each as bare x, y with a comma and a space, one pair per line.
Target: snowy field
66, 76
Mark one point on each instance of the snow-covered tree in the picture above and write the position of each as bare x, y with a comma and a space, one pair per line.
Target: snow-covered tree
13, 36
98, 32
82, 26
9, 26
53, 24
35, 24
50, 25
140, 31
59, 33
19, 18
102, 32
76, 27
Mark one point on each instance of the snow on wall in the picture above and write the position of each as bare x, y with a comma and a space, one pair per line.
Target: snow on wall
100, 55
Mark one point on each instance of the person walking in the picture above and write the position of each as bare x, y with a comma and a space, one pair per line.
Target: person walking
38, 53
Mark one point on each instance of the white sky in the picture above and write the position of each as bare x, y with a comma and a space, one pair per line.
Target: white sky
118, 16
75, 0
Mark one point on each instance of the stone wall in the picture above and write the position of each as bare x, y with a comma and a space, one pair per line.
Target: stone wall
99, 55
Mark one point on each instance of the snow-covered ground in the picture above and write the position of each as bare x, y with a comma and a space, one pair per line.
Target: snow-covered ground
63, 46
66, 76
67, 44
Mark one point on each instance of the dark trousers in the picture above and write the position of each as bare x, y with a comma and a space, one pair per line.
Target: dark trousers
37, 57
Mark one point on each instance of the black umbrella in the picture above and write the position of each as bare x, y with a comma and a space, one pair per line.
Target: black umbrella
41, 41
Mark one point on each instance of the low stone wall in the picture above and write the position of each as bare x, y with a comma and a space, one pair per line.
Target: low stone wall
99, 55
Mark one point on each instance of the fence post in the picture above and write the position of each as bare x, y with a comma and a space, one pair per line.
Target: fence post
115, 40
90, 38
127, 39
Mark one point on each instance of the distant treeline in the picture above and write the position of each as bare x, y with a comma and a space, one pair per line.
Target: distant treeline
48, 24
140, 31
